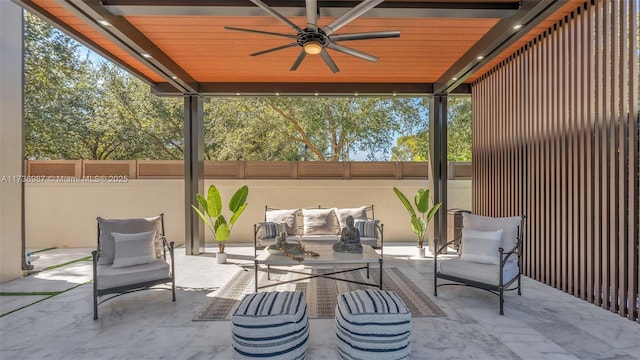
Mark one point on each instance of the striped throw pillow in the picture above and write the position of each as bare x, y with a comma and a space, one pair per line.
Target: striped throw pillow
367, 228
272, 229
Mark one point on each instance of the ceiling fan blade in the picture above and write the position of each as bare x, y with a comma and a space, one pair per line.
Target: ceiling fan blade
329, 61
365, 35
312, 15
353, 52
276, 14
259, 32
298, 61
275, 49
347, 17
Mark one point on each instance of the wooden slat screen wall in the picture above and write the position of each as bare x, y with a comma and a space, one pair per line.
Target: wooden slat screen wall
556, 137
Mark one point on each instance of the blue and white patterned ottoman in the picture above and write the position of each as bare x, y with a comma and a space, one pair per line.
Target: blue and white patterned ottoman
372, 324
271, 325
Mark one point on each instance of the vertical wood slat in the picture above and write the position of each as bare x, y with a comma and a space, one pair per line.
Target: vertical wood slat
558, 123
634, 161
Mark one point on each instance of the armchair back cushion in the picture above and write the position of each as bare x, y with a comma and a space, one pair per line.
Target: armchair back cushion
286, 216
134, 249
318, 221
481, 246
107, 245
509, 226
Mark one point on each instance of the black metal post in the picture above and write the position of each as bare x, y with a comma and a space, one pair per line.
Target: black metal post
193, 172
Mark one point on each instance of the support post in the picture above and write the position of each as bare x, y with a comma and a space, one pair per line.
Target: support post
193, 172
12, 234
438, 165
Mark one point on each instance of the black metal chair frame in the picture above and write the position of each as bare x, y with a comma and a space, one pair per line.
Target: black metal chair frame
492, 288
122, 290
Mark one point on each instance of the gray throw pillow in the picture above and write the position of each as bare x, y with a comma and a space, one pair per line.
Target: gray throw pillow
134, 249
125, 226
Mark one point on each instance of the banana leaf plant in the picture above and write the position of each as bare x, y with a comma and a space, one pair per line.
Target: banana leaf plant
419, 223
212, 216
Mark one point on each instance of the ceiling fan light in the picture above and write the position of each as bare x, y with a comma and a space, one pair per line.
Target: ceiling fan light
313, 47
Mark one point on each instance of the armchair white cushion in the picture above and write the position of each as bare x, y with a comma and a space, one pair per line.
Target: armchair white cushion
483, 273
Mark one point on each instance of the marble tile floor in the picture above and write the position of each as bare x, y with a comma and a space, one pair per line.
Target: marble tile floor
544, 323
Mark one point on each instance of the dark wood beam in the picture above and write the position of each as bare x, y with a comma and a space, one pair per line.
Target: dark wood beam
307, 89
499, 38
68, 30
387, 9
131, 40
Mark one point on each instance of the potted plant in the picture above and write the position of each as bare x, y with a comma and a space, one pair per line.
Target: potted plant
419, 223
211, 214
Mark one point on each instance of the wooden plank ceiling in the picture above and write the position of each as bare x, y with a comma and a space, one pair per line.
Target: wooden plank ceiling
191, 52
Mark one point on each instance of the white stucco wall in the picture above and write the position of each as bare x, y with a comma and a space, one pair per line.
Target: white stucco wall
10, 140
63, 214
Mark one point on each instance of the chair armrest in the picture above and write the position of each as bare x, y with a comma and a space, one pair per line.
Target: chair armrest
167, 245
505, 255
439, 249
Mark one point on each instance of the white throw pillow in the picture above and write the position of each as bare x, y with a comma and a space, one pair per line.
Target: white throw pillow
357, 213
134, 249
287, 216
481, 246
318, 221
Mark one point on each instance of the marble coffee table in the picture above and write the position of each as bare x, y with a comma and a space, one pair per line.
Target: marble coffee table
326, 257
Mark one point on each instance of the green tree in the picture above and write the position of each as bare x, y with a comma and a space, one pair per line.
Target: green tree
55, 78
77, 109
334, 128
415, 147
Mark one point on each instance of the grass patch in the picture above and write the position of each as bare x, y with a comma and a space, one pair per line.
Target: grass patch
48, 297
31, 293
41, 250
86, 258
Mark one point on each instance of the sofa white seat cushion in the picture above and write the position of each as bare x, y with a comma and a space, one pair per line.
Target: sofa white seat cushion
110, 278
326, 237
484, 273
369, 241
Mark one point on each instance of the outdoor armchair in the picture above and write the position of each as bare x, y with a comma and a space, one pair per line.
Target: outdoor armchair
131, 255
489, 256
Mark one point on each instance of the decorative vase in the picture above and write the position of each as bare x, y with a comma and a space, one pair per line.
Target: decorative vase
221, 258
420, 252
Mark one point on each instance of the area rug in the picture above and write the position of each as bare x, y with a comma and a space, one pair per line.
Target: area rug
321, 293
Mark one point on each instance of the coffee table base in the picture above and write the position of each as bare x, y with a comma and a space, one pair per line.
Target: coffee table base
326, 276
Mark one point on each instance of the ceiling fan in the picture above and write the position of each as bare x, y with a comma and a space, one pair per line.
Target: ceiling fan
315, 40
